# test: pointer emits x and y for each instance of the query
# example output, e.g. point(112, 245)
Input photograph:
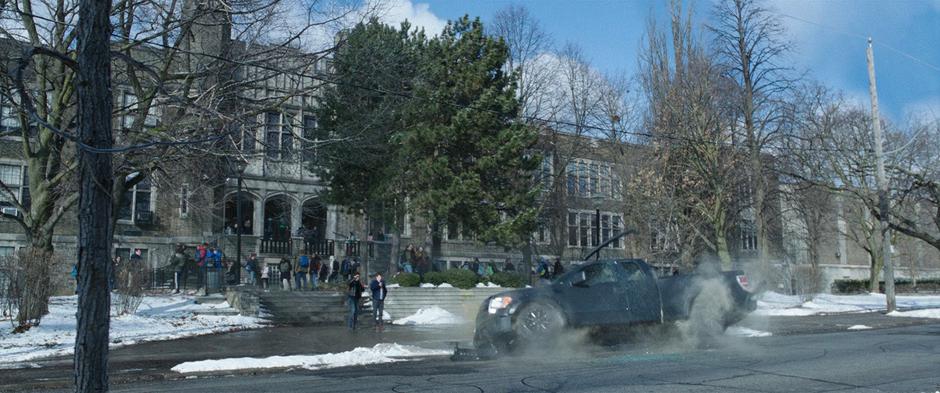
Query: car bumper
point(492, 329)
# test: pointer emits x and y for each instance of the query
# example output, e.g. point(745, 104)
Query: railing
point(352, 248)
point(270, 246)
point(323, 248)
point(193, 277)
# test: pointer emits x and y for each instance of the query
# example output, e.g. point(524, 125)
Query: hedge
point(861, 286)
point(406, 279)
point(508, 280)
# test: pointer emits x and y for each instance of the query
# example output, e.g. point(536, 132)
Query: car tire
point(708, 317)
point(537, 322)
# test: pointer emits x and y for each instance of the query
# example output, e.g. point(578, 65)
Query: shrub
point(508, 280)
point(26, 279)
point(460, 278)
point(406, 279)
point(436, 278)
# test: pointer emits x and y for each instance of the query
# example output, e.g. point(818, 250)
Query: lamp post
point(240, 226)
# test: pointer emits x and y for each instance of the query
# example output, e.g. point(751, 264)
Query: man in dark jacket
point(379, 292)
point(353, 296)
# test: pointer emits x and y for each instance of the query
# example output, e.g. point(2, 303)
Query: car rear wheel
point(538, 321)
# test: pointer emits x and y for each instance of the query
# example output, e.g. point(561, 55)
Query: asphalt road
point(805, 354)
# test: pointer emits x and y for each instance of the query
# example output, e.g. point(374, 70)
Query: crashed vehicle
point(610, 293)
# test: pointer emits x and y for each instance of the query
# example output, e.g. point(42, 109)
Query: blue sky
point(828, 36)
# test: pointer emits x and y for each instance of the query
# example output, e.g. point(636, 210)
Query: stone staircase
point(465, 303)
point(293, 307)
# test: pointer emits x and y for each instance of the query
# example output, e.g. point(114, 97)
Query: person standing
point(285, 268)
point(353, 296)
point(251, 268)
point(178, 262)
point(558, 269)
point(314, 271)
point(300, 272)
point(324, 273)
point(334, 268)
point(265, 276)
point(379, 292)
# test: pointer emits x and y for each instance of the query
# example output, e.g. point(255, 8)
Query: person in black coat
point(379, 292)
point(353, 296)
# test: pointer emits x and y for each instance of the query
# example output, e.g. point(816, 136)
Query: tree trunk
point(94, 206)
point(435, 252)
point(724, 254)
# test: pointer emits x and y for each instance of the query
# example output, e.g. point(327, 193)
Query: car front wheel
point(538, 321)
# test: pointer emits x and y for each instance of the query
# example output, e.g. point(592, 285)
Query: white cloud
point(394, 12)
point(926, 109)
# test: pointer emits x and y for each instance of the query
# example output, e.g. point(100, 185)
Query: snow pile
point(738, 331)
point(393, 286)
point(158, 318)
point(380, 353)
point(859, 327)
point(928, 313)
point(771, 303)
point(488, 285)
point(445, 285)
point(428, 285)
point(433, 315)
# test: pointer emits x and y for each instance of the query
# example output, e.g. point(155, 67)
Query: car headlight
point(498, 303)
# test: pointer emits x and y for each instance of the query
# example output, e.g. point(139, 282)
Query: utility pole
point(881, 182)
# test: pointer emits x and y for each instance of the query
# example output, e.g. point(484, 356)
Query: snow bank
point(158, 318)
point(859, 327)
point(487, 285)
point(380, 353)
point(738, 331)
point(433, 315)
point(393, 286)
point(445, 285)
point(928, 313)
point(772, 303)
point(428, 285)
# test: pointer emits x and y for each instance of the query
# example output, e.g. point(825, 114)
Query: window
point(248, 135)
point(545, 175)
point(16, 179)
point(9, 117)
point(129, 107)
point(136, 205)
point(279, 139)
point(312, 136)
point(184, 200)
point(748, 237)
point(584, 224)
point(592, 178)
point(572, 229)
point(572, 179)
point(541, 233)
point(615, 223)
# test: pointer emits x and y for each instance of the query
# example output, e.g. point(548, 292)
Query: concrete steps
point(314, 307)
point(465, 303)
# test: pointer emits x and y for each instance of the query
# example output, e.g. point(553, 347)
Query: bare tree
point(749, 41)
point(689, 122)
point(529, 46)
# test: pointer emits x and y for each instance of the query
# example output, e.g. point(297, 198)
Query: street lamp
point(240, 223)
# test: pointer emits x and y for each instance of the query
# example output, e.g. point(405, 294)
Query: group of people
point(415, 260)
point(378, 291)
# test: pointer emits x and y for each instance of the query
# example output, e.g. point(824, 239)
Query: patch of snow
point(928, 313)
point(380, 353)
point(775, 304)
point(386, 316)
point(445, 285)
point(428, 285)
point(160, 317)
point(487, 285)
point(393, 286)
point(433, 315)
point(738, 331)
point(859, 327)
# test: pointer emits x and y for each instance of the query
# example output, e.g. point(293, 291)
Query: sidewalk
point(153, 360)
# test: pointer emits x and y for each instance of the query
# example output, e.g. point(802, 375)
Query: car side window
point(631, 271)
point(599, 274)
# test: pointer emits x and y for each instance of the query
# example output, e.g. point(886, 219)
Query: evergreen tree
point(468, 159)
